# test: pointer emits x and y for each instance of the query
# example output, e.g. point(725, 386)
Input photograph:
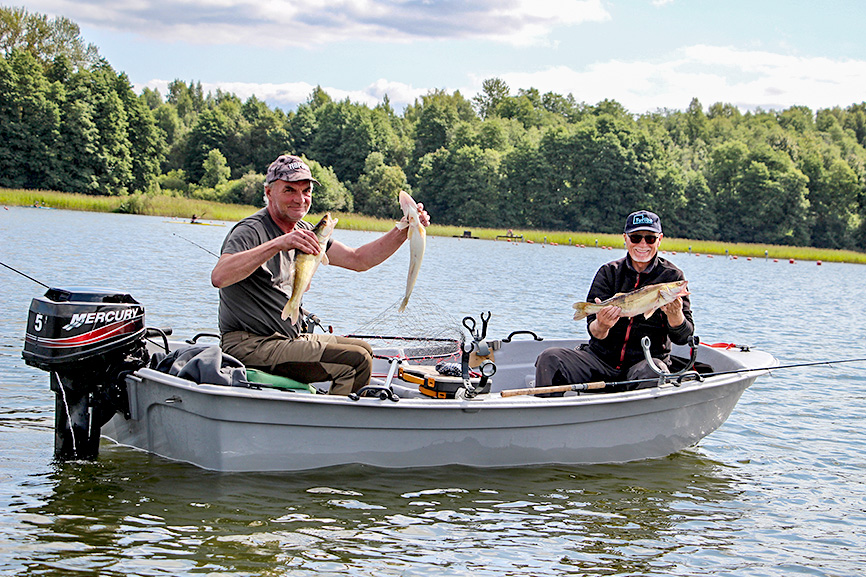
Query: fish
point(305, 266)
point(417, 236)
point(643, 301)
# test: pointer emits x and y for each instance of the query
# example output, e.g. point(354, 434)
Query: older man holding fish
point(266, 263)
point(638, 295)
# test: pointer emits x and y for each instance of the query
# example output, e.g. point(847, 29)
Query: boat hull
point(236, 429)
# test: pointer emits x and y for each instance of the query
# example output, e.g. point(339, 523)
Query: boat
point(198, 222)
point(410, 416)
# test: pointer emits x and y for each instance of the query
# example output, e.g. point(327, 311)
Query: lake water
point(778, 490)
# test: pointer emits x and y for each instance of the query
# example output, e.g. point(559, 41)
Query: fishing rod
point(600, 385)
point(25, 276)
point(196, 244)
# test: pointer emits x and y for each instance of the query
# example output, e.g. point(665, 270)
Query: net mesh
point(422, 333)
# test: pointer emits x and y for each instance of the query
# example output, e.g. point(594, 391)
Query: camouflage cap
point(289, 168)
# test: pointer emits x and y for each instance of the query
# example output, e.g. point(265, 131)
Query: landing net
point(422, 332)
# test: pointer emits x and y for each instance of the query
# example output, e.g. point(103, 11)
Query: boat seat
point(274, 381)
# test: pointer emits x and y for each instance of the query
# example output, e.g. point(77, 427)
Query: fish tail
point(403, 304)
point(581, 311)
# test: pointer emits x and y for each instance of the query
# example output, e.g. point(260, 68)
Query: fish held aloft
point(305, 267)
point(643, 301)
point(417, 236)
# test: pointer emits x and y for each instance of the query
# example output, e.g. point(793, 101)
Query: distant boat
point(196, 222)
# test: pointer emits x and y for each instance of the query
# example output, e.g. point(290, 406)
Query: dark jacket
point(621, 349)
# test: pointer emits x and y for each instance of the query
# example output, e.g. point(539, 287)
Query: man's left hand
point(674, 311)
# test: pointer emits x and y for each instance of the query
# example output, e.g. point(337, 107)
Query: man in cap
point(614, 352)
point(253, 276)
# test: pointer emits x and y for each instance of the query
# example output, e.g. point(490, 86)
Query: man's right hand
point(604, 320)
point(608, 316)
point(300, 239)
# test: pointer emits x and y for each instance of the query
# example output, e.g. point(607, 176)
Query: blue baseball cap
point(643, 220)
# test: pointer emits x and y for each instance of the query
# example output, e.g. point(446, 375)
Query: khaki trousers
point(308, 358)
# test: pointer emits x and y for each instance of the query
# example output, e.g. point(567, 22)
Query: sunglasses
point(649, 238)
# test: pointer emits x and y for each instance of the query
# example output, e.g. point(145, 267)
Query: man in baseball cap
point(614, 352)
point(254, 275)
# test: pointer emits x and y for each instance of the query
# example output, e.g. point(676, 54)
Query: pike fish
point(305, 266)
point(417, 235)
point(643, 301)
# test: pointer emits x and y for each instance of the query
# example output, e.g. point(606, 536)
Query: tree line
point(70, 122)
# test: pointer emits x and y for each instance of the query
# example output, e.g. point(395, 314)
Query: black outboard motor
point(88, 339)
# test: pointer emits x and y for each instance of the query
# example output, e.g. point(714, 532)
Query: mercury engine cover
point(88, 339)
point(67, 326)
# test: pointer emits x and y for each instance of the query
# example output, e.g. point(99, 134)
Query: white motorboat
point(259, 428)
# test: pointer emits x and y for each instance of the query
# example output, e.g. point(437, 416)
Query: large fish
point(644, 301)
point(417, 236)
point(305, 266)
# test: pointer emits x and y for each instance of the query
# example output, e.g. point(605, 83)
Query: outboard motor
point(88, 339)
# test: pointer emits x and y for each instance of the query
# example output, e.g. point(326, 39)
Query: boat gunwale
point(484, 401)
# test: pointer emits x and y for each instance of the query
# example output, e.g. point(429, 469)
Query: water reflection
point(132, 512)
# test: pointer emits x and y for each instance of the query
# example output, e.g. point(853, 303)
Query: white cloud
point(281, 23)
point(288, 95)
point(746, 79)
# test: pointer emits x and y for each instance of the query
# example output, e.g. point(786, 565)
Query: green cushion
point(263, 378)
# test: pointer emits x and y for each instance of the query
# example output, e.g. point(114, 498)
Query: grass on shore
point(181, 207)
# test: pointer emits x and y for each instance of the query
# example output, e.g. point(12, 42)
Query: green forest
point(70, 122)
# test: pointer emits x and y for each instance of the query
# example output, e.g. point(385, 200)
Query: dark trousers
point(561, 366)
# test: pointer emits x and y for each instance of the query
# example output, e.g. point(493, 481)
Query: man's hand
point(300, 239)
point(604, 320)
point(674, 311)
point(423, 217)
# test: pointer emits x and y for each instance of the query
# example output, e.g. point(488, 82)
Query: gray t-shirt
point(255, 303)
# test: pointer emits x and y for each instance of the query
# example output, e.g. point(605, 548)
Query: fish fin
point(325, 259)
point(287, 310)
point(403, 304)
point(291, 276)
point(649, 313)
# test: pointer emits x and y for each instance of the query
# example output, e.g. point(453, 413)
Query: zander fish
point(644, 301)
point(417, 236)
point(305, 267)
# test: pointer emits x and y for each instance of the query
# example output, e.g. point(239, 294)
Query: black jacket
point(621, 348)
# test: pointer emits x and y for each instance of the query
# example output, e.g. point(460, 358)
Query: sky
point(648, 55)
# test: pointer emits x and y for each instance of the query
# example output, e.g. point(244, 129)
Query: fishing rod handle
point(554, 389)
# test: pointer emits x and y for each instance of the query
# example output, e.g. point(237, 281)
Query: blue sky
point(646, 54)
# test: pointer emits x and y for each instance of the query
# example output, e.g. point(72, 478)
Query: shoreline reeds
point(182, 207)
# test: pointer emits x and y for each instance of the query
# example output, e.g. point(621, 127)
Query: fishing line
point(811, 364)
point(693, 376)
point(196, 244)
point(25, 276)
